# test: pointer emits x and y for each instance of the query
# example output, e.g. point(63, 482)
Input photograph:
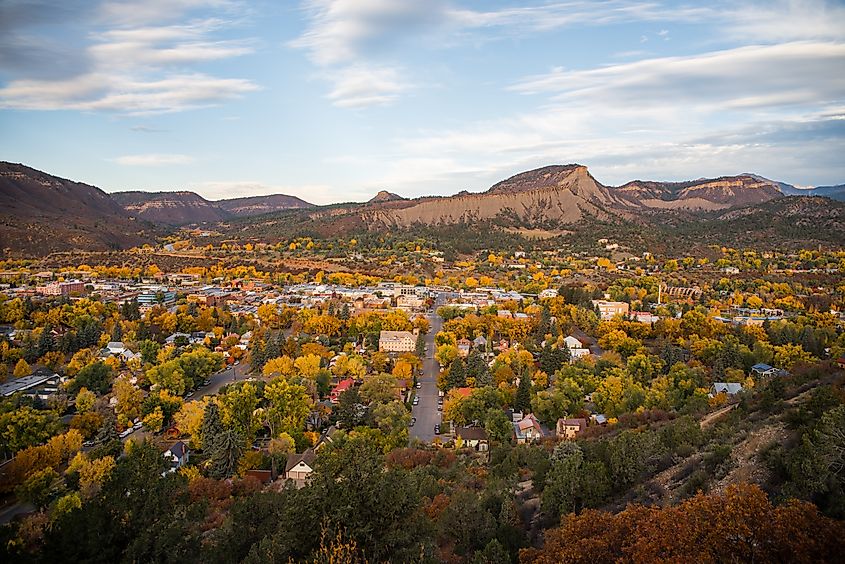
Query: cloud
point(785, 20)
point(154, 159)
point(742, 78)
point(359, 86)
point(133, 66)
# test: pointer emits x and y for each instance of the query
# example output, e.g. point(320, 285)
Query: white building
point(397, 341)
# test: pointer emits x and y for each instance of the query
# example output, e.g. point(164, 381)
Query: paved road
point(227, 376)
point(426, 411)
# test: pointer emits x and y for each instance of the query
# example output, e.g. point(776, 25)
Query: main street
point(426, 411)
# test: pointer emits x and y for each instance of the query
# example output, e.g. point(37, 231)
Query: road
point(426, 411)
point(231, 374)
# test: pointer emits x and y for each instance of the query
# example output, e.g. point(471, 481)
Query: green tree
point(523, 394)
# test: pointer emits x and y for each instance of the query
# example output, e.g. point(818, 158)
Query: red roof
point(465, 392)
point(343, 385)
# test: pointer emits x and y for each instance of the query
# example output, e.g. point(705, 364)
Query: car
point(419, 385)
point(237, 362)
point(88, 444)
point(189, 394)
point(138, 425)
point(126, 433)
point(439, 407)
point(206, 382)
point(413, 420)
point(416, 400)
point(437, 429)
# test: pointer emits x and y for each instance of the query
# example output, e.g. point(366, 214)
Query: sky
point(334, 100)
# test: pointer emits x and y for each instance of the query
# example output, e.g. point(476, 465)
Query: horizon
point(334, 100)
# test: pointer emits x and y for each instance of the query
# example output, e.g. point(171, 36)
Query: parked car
point(416, 400)
point(138, 425)
point(206, 382)
point(437, 429)
point(419, 385)
point(127, 432)
point(413, 420)
point(439, 407)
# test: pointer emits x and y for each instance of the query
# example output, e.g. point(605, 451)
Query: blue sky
point(333, 100)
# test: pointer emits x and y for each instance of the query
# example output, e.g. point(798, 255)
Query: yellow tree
point(22, 369)
point(308, 365)
point(280, 366)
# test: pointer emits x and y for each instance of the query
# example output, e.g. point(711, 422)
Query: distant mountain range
point(41, 213)
point(182, 208)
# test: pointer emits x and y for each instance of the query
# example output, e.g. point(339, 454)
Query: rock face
point(385, 196)
point(704, 194)
point(558, 194)
point(40, 213)
point(171, 208)
point(182, 208)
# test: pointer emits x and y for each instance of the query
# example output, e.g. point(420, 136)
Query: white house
point(577, 349)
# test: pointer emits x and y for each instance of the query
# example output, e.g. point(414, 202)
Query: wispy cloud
point(154, 159)
point(139, 65)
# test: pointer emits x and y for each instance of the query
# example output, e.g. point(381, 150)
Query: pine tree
point(457, 377)
point(212, 426)
point(225, 454)
point(108, 431)
point(523, 394)
point(478, 369)
point(45, 341)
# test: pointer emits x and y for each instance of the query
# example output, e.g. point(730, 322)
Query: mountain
point(40, 213)
point(171, 208)
point(182, 207)
point(701, 194)
point(258, 205)
point(385, 196)
point(836, 192)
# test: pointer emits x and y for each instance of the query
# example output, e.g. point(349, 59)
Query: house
point(763, 370)
point(608, 310)
point(341, 387)
point(548, 293)
point(397, 341)
point(528, 429)
point(480, 342)
point(727, 388)
point(570, 428)
point(577, 348)
point(115, 347)
point(42, 383)
point(599, 419)
point(463, 347)
point(299, 467)
point(181, 337)
point(177, 456)
point(474, 437)
point(643, 317)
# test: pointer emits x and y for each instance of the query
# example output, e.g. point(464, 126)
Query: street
point(231, 374)
point(426, 411)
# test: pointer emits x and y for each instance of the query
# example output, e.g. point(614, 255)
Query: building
point(341, 387)
point(40, 384)
point(727, 388)
point(528, 429)
point(62, 288)
point(609, 310)
point(176, 456)
point(548, 293)
point(473, 437)
point(643, 317)
point(397, 341)
point(464, 345)
point(299, 467)
point(577, 348)
point(570, 428)
point(763, 370)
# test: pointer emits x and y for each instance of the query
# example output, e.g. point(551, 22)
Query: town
point(250, 378)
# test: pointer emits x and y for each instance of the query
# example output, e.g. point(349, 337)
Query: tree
point(227, 450)
point(95, 377)
point(237, 408)
point(22, 369)
point(380, 388)
point(289, 405)
point(212, 426)
point(189, 420)
point(349, 409)
point(85, 400)
point(457, 377)
point(279, 366)
point(499, 427)
point(523, 394)
point(308, 365)
point(25, 427)
point(392, 418)
point(41, 488)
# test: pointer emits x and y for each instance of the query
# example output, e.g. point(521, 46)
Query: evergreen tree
point(225, 453)
point(108, 431)
point(478, 369)
point(344, 312)
point(552, 359)
point(257, 356)
point(45, 341)
point(348, 409)
point(212, 426)
point(457, 377)
point(420, 345)
point(523, 394)
point(117, 332)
